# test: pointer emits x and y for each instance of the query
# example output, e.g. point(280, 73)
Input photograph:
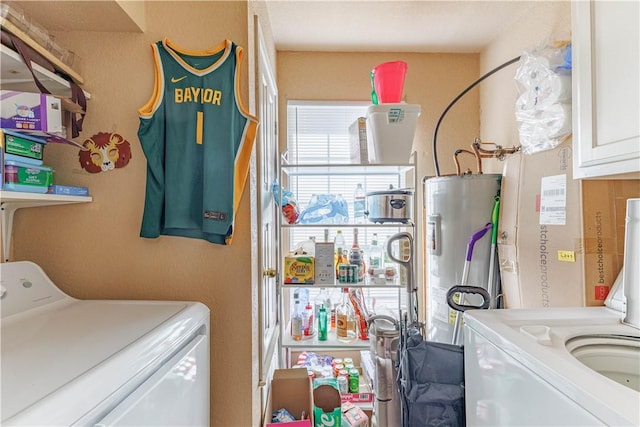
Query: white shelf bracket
point(8, 210)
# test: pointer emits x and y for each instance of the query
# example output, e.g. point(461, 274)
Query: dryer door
point(176, 394)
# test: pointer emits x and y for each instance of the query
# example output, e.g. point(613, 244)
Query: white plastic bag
point(543, 106)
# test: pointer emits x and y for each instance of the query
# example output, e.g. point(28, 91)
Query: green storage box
point(23, 146)
point(25, 177)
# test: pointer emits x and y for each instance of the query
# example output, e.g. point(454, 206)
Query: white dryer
point(68, 362)
point(559, 367)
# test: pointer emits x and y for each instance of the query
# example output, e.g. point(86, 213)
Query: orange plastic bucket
point(388, 81)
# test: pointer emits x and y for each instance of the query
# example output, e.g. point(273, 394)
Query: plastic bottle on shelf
point(345, 320)
point(335, 297)
point(376, 258)
point(300, 297)
point(297, 323)
point(322, 323)
point(359, 204)
point(308, 247)
point(322, 299)
point(356, 256)
point(339, 247)
point(308, 327)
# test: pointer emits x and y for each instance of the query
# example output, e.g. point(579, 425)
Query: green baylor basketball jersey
point(197, 137)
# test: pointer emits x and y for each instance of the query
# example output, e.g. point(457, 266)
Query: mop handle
point(494, 220)
point(491, 281)
point(475, 237)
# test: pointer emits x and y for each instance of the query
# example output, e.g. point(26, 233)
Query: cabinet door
point(606, 88)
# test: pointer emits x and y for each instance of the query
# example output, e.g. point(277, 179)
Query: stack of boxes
point(27, 118)
point(21, 165)
point(560, 240)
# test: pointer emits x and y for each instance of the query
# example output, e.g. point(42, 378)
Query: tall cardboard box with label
point(603, 221)
point(539, 231)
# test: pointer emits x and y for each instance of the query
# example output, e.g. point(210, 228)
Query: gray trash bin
point(384, 337)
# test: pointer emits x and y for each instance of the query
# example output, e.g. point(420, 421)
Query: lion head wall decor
point(104, 152)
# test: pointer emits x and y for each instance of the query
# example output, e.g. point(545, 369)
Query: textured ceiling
point(401, 26)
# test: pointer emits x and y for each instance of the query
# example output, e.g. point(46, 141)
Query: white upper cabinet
point(606, 88)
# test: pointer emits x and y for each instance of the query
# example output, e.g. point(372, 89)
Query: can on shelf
point(343, 273)
point(352, 273)
point(343, 385)
point(354, 381)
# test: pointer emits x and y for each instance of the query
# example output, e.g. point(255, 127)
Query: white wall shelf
point(16, 76)
point(11, 201)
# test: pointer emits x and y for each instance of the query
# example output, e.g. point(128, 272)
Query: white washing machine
point(68, 362)
point(560, 367)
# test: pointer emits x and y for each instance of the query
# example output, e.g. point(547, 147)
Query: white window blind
point(318, 133)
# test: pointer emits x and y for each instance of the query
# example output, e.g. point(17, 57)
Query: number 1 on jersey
point(199, 125)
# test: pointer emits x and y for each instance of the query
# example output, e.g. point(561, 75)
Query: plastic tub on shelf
point(392, 128)
point(26, 177)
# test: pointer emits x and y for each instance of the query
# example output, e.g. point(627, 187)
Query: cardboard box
point(325, 272)
point(23, 146)
point(299, 270)
point(327, 407)
point(353, 416)
point(68, 190)
point(290, 389)
point(359, 152)
point(30, 111)
point(539, 232)
point(603, 221)
point(361, 360)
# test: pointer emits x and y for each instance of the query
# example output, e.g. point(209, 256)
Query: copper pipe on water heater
point(481, 153)
point(497, 153)
point(467, 172)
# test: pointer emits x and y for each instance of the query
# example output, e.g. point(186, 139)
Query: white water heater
point(456, 207)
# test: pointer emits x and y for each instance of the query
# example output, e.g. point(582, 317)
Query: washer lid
point(631, 276)
point(85, 352)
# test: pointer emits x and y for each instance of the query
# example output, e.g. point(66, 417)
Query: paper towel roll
point(545, 128)
point(539, 86)
point(557, 119)
point(553, 89)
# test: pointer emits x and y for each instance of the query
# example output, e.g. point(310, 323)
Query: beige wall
point(543, 21)
point(93, 250)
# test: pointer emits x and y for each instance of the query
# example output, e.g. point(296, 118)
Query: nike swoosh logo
point(176, 80)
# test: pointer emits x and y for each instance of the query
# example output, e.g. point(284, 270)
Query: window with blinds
point(318, 133)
